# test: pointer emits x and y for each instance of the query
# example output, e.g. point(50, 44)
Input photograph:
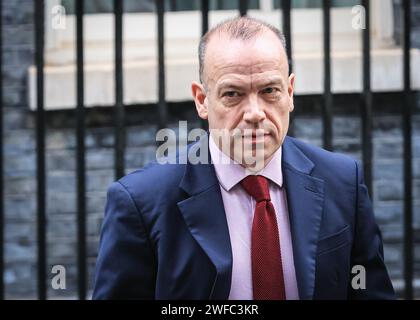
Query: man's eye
point(269, 90)
point(231, 94)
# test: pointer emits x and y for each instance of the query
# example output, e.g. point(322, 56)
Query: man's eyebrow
point(237, 84)
point(270, 81)
point(230, 84)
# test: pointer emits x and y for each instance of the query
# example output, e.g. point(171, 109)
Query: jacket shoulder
point(329, 165)
point(153, 181)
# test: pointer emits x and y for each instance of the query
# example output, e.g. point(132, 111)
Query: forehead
point(238, 59)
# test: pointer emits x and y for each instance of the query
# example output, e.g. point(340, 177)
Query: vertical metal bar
point(40, 148)
point(367, 102)
point(204, 16)
point(204, 28)
point(287, 30)
point(80, 162)
point(1, 162)
point(161, 65)
point(173, 5)
point(119, 105)
point(407, 115)
point(327, 106)
point(243, 7)
point(219, 5)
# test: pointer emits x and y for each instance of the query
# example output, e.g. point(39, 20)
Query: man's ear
point(199, 96)
point(291, 90)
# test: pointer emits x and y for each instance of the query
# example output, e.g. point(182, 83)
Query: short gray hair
point(243, 28)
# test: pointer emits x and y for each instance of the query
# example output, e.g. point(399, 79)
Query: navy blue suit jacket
point(165, 234)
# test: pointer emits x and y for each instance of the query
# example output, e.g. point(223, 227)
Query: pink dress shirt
point(239, 208)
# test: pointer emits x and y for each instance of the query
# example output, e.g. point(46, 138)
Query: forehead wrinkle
point(256, 80)
point(238, 71)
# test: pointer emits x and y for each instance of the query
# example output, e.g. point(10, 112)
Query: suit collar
point(201, 176)
point(295, 158)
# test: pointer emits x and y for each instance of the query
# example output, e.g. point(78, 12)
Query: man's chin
point(254, 161)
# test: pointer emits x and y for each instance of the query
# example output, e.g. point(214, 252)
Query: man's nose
point(254, 112)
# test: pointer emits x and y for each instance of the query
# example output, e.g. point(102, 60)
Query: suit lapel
point(305, 199)
point(205, 218)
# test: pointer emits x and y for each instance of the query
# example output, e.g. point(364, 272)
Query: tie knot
point(256, 187)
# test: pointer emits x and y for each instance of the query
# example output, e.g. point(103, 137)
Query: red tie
point(267, 270)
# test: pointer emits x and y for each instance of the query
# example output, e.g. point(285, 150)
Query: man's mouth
point(254, 138)
point(256, 135)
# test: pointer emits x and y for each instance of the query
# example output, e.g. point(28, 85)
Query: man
point(291, 224)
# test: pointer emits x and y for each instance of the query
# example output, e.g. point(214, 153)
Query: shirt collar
point(230, 173)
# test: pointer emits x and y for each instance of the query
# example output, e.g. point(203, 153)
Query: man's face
point(247, 87)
